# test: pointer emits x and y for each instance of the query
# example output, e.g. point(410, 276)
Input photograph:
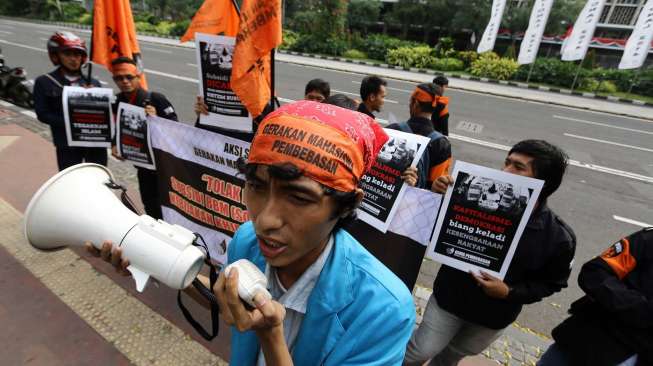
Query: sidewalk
point(121, 327)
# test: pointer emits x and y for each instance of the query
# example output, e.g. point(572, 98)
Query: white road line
point(190, 80)
point(191, 65)
point(576, 163)
point(285, 100)
point(22, 45)
point(630, 221)
point(5, 104)
point(608, 142)
point(156, 50)
point(43, 39)
point(29, 113)
point(358, 95)
point(603, 124)
point(44, 32)
point(387, 87)
point(6, 32)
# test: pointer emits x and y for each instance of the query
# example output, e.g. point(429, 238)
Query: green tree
point(515, 18)
point(362, 13)
point(563, 15)
point(471, 16)
point(406, 13)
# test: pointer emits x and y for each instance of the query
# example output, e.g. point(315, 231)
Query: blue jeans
point(555, 356)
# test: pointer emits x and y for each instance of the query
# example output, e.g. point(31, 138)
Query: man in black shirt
point(467, 312)
point(127, 78)
point(317, 90)
point(373, 94)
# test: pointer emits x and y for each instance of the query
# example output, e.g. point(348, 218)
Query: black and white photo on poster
point(88, 116)
point(199, 184)
point(383, 185)
point(214, 63)
point(482, 218)
point(132, 137)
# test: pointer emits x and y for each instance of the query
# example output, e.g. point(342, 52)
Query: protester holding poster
point(435, 162)
point(87, 115)
point(215, 61)
point(467, 312)
point(127, 77)
point(67, 52)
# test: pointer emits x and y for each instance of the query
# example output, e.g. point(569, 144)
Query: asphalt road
point(611, 196)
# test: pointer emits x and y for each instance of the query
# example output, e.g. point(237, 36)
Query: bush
point(510, 53)
point(356, 54)
point(552, 71)
point(489, 65)
point(86, 19)
point(72, 11)
point(444, 48)
point(448, 64)
point(621, 78)
point(316, 44)
point(467, 57)
point(146, 17)
point(377, 45)
point(164, 28)
point(419, 57)
point(179, 28)
point(289, 39)
point(145, 27)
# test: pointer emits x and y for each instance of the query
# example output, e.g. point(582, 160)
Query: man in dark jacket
point(68, 53)
point(127, 78)
point(373, 94)
point(440, 116)
point(466, 312)
point(613, 323)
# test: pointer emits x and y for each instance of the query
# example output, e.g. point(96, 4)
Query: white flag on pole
point(579, 40)
point(640, 40)
point(530, 44)
point(490, 34)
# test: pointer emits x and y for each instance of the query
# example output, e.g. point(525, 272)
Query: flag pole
point(530, 71)
point(573, 84)
point(236, 7)
point(272, 78)
point(90, 56)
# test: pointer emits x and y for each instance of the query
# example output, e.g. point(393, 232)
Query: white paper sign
point(133, 137)
point(482, 218)
point(87, 116)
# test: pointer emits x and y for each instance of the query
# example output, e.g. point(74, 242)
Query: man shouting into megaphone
point(332, 302)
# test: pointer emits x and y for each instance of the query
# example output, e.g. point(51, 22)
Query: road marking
point(5, 104)
point(29, 113)
point(631, 221)
point(6, 32)
point(22, 45)
point(358, 95)
point(190, 80)
point(608, 142)
point(191, 65)
point(156, 50)
point(469, 127)
point(576, 163)
point(387, 87)
point(603, 124)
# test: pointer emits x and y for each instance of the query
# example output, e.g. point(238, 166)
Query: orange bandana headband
point(331, 145)
point(423, 96)
point(125, 67)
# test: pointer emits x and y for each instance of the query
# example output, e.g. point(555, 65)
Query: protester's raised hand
point(441, 184)
point(201, 107)
point(491, 285)
point(267, 315)
point(410, 176)
point(150, 110)
point(110, 254)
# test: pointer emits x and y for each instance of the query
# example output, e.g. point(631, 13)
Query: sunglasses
point(124, 77)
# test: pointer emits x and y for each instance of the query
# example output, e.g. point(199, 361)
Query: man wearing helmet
point(68, 53)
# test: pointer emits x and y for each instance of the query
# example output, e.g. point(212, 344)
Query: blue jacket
point(359, 312)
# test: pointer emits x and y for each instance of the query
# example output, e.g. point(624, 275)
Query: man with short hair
point(467, 312)
point(68, 53)
point(437, 158)
point(440, 116)
point(613, 323)
point(127, 77)
point(317, 90)
point(373, 92)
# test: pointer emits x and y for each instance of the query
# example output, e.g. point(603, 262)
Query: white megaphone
point(76, 206)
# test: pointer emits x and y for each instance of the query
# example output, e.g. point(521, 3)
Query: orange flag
point(114, 34)
point(258, 34)
point(214, 17)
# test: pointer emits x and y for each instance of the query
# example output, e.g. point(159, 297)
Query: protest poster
point(482, 218)
point(198, 183)
point(87, 116)
point(401, 248)
point(383, 185)
point(132, 138)
point(214, 64)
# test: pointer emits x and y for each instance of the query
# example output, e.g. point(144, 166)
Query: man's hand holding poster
point(383, 185)
point(198, 181)
point(87, 116)
point(482, 218)
point(132, 137)
point(214, 63)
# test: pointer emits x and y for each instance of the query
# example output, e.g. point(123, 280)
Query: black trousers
point(148, 185)
point(68, 156)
